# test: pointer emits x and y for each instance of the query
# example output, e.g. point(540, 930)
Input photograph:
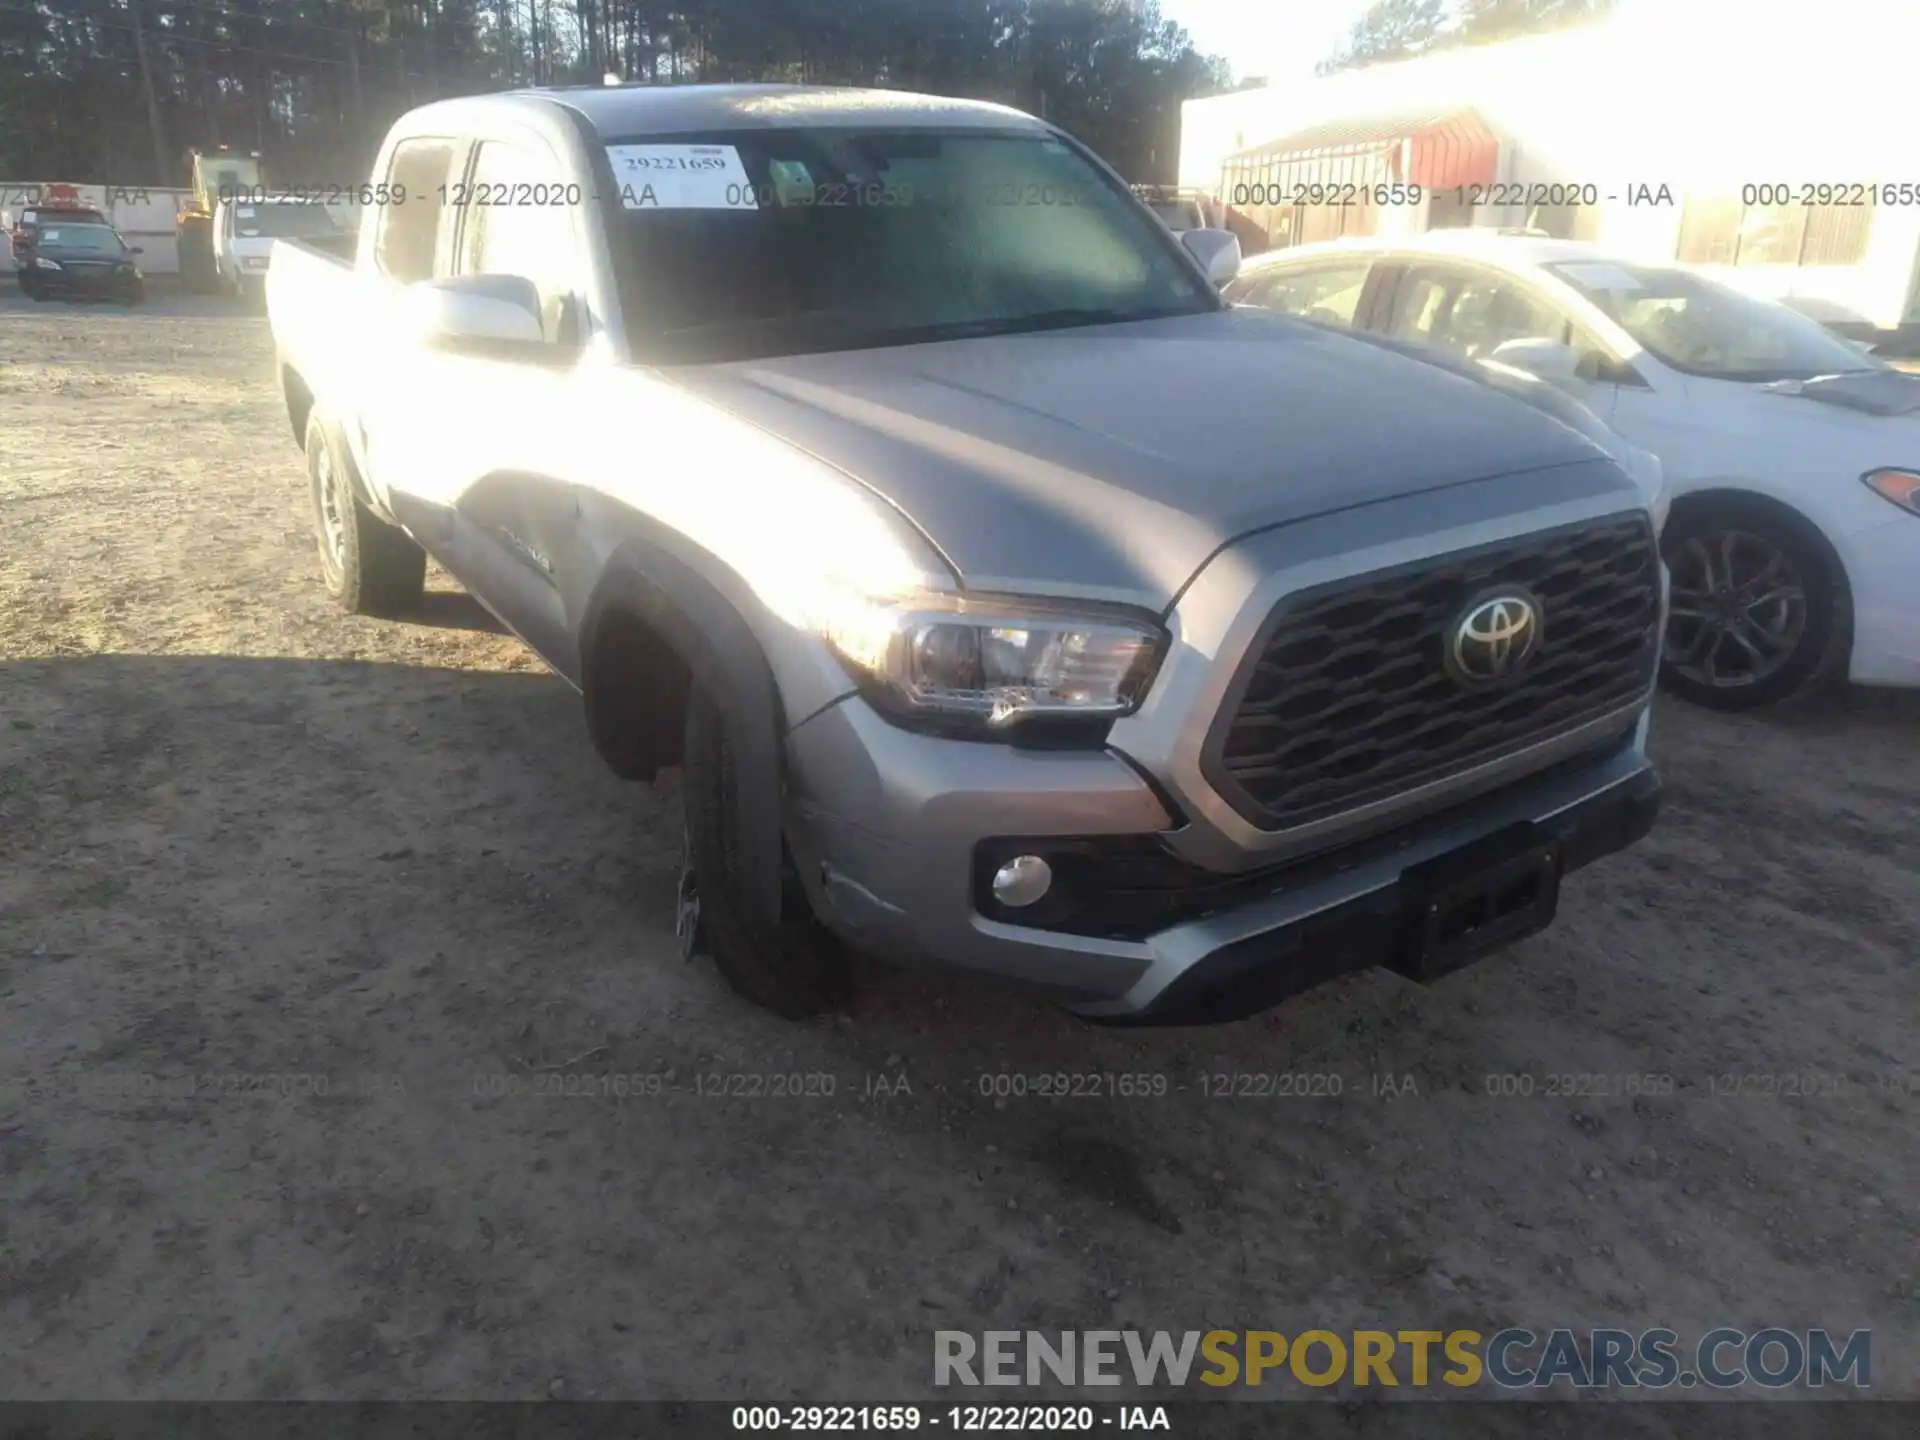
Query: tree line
point(115, 91)
point(1402, 29)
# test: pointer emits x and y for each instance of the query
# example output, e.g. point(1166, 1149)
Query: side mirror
point(1218, 252)
point(1546, 360)
point(475, 312)
point(136, 249)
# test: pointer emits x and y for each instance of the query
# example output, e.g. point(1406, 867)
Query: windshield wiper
point(762, 337)
point(1061, 319)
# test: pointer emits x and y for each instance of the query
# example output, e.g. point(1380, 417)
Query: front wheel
point(796, 968)
point(371, 567)
point(1753, 610)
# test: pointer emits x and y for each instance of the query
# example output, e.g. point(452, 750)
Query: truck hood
point(1111, 461)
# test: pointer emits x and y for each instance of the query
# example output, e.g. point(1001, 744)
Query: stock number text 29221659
point(791, 1419)
point(1386, 193)
point(1888, 193)
point(367, 194)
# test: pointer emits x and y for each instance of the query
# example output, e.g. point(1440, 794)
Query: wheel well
point(299, 401)
point(1709, 502)
point(636, 692)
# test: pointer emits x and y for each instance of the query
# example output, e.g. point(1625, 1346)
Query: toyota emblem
point(1494, 636)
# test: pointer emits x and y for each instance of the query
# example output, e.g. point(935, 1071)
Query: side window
point(1329, 294)
point(1488, 311)
point(1420, 306)
point(1474, 314)
point(504, 235)
point(403, 246)
point(1252, 289)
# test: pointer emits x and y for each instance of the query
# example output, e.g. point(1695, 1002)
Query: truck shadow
point(420, 886)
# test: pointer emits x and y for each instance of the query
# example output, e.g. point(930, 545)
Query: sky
point(1283, 40)
point(1280, 39)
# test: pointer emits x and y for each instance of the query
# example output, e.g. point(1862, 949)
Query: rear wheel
point(1754, 605)
point(796, 968)
point(371, 567)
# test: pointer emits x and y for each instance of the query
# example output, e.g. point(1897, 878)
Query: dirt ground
point(251, 850)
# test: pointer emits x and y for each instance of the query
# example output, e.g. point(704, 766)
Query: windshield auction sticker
point(681, 177)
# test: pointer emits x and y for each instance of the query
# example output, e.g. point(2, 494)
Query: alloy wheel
point(333, 517)
point(1738, 609)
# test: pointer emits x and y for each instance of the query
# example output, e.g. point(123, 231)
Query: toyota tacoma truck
point(1007, 599)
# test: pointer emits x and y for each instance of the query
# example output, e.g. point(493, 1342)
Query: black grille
point(1346, 700)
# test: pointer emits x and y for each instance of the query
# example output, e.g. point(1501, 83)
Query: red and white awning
point(1438, 150)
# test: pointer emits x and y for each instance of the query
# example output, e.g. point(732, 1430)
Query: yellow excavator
point(217, 174)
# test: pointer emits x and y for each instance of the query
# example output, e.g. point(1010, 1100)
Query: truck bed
point(324, 329)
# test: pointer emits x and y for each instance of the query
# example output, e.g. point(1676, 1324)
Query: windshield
point(282, 221)
point(777, 242)
point(1704, 328)
point(81, 237)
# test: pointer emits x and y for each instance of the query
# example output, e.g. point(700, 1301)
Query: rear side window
point(403, 245)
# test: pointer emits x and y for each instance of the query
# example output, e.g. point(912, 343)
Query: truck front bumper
point(893, 831)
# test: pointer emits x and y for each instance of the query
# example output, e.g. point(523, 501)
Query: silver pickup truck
point(1008, 600)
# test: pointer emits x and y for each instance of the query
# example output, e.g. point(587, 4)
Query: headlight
point(41, 262)
point(1902, 487)
point(987, 666)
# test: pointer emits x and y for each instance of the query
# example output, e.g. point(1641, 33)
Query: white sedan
point(1793, 458)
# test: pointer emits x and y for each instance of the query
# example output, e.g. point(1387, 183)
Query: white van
point(244, 231)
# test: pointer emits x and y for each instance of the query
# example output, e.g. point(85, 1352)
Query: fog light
point(1022, 881)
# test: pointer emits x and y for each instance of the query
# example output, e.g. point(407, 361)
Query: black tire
point(799, 968)
point(1758, 605)
point(370, 567)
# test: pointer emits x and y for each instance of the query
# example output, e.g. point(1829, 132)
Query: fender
point(719, 649)
point(342, 450)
